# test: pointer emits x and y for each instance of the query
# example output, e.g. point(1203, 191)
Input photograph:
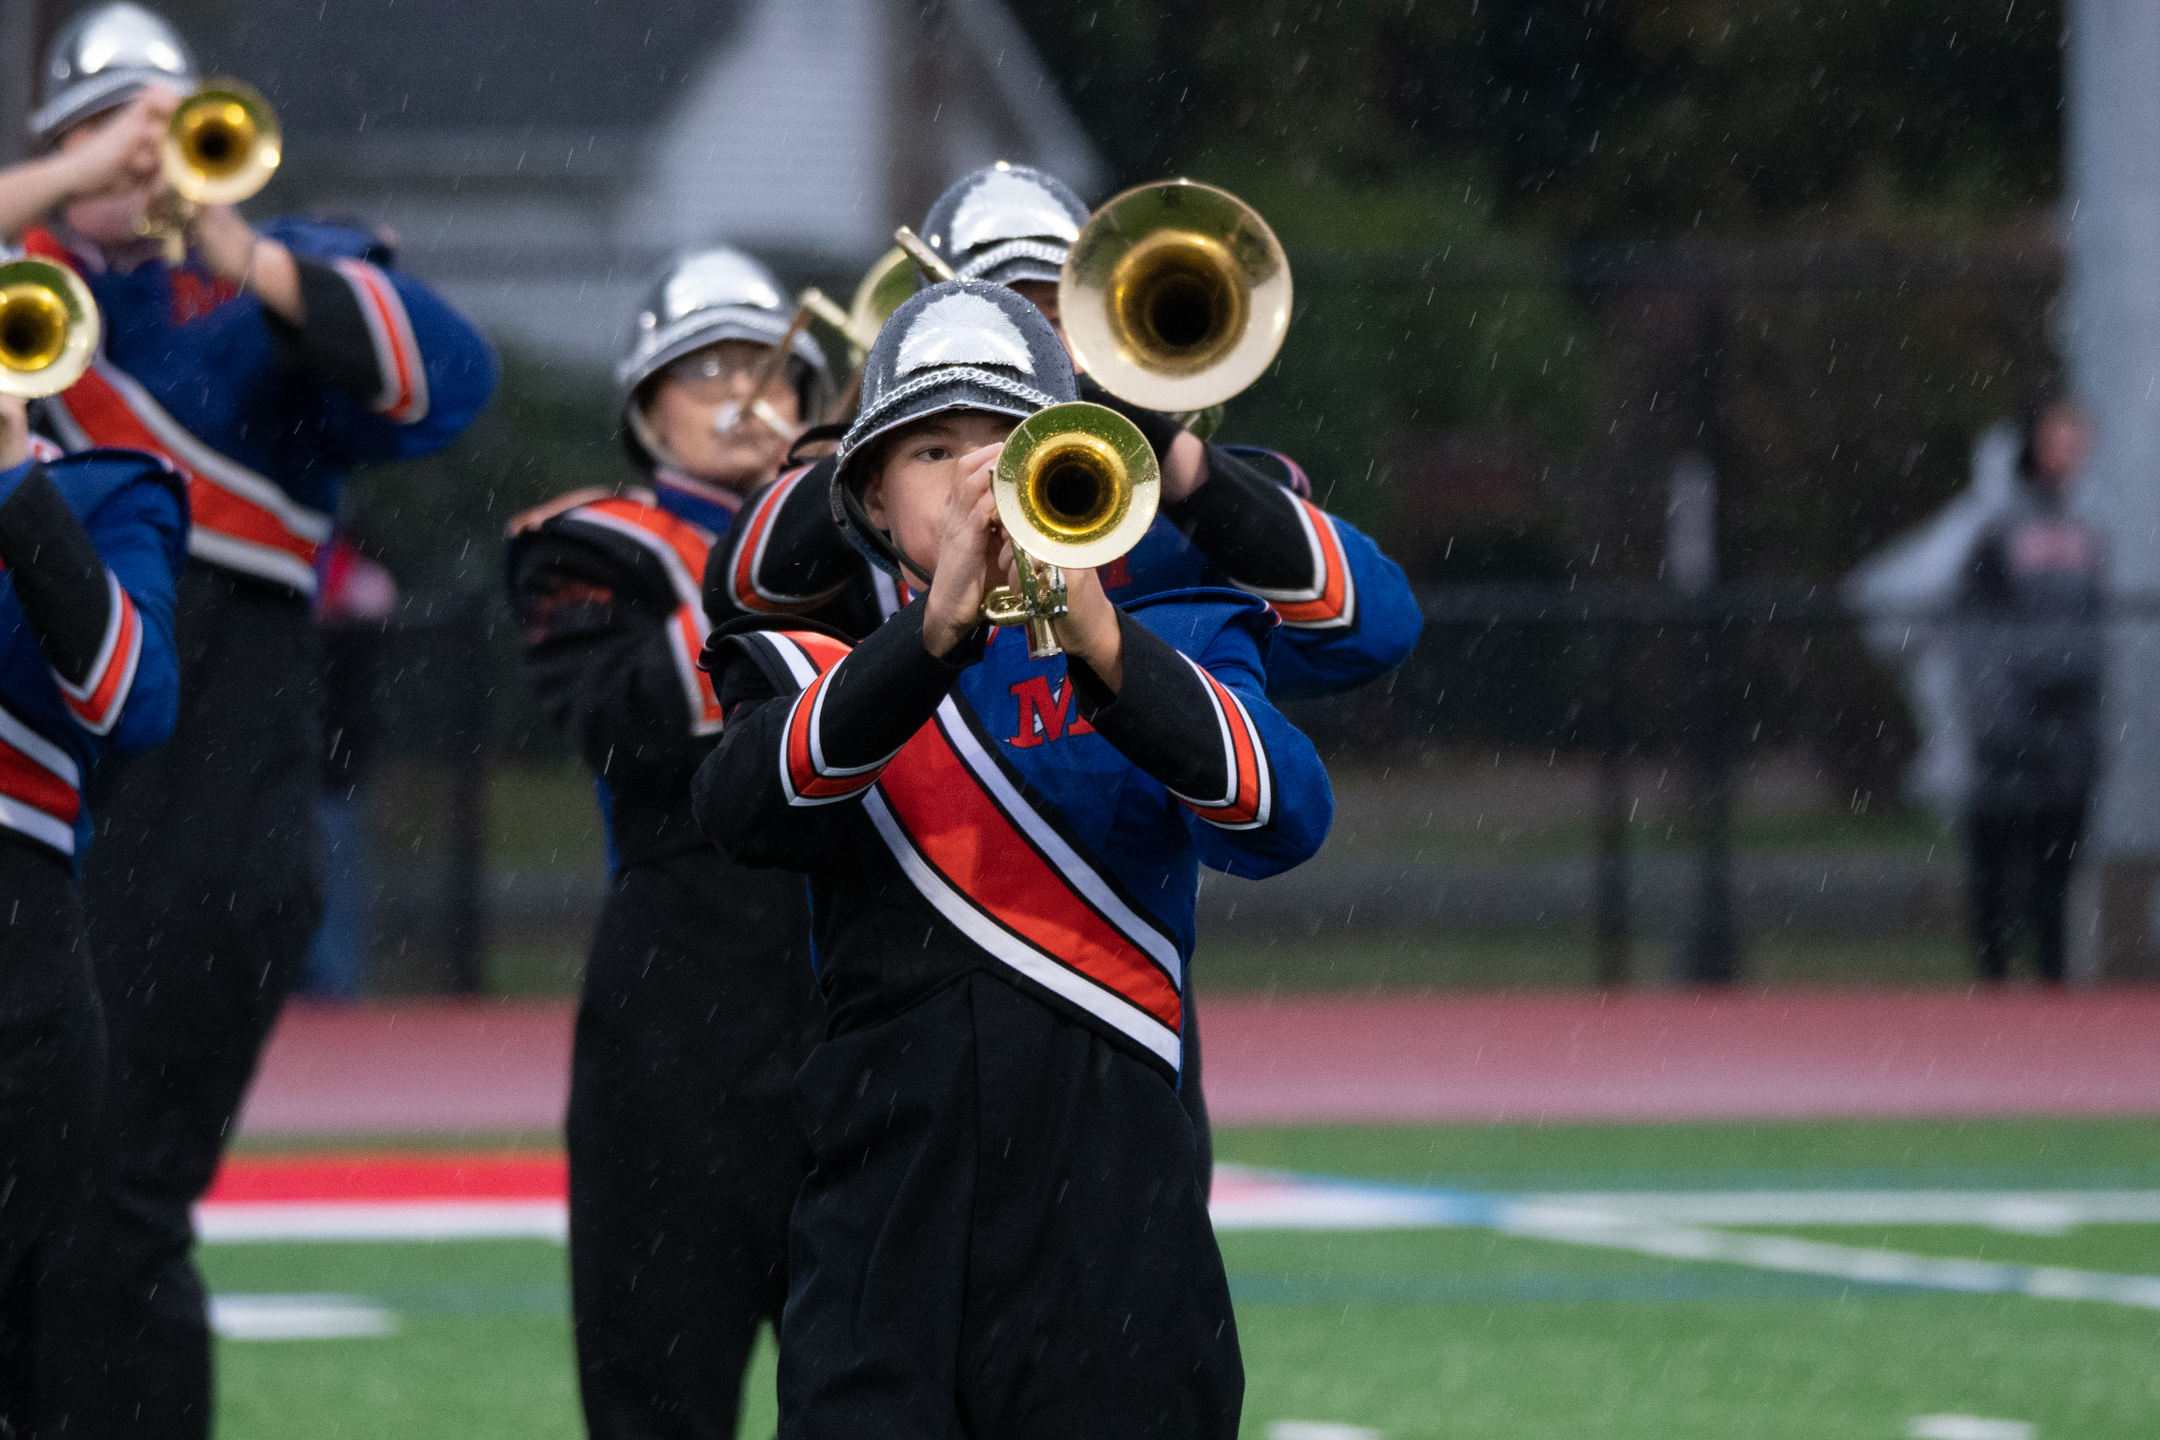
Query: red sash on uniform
point(995, 867)
point(988, 861)
point(681, 548)
point(241, 520)
point(40, 786)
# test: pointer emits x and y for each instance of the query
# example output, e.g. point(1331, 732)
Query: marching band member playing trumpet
point(1348, 615)
point(1003, 1233)
point(90, 547)
point(263, 365)
point(698, 1000)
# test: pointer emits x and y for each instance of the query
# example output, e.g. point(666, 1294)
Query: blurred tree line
point(1503, 420)
point(1592, 118)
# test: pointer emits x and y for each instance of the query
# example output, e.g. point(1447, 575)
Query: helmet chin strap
point(876, 545)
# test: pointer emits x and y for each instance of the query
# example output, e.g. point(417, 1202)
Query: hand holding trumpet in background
point(169, 167)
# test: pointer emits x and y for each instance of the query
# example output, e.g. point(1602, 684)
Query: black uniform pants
point(52, 1073)
point(685, 1155)
point(1191, 1096)
point(2019, 870)
point(203, 890)
point(1002, 1237)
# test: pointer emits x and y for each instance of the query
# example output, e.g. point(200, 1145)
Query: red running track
point(486, 1066)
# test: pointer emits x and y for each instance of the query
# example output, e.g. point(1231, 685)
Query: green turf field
point(1455, 1333)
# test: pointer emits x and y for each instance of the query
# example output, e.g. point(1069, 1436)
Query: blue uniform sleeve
point(1193, 713)
point(1343, 652)
point(141, 533)
point(434, 370)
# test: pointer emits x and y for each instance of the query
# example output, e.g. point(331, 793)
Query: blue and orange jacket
point(993, 811)
point(1348, 615)
point(263, 419)
point(606, 590)
point(91, 546)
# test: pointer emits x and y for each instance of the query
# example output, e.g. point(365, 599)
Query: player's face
point(909, 495)
point(109, 219)
point(1043, 295)
point(686, 411)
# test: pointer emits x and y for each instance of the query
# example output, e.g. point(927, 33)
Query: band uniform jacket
point(1010, 814)
point(90, 545)
point(607, 590)
point(261, 418)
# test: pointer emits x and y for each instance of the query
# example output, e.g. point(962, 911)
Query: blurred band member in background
point(90, 547)
point(354, 598)
point(698, 1001)
point(1346, 610)
point(2032, 651)
point(263, 367)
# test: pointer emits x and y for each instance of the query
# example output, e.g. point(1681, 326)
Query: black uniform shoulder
point(591, 536)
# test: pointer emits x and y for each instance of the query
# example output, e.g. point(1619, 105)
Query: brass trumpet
point(48, 328)
point(881, 291)
point(1175, 296)
point(220, 147)
point(1076, 487)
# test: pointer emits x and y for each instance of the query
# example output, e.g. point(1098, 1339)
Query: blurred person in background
point(90, 547)
point(263, 366)
point(354, 596)
point(2030, 648)
point(698, 1002)
point(1231, 515)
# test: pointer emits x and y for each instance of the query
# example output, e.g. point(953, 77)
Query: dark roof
point(412, 65)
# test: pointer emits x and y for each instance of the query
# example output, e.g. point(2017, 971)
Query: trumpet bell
point(48, 328)
point(222, 145)
point(884, 288)
point(1076, 486)
point(1176, 296)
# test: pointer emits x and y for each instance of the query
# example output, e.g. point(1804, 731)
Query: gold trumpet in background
point(1076, 487)
point(1175, 296)
point(48, 328)
point(221, 146)
point(881, 291)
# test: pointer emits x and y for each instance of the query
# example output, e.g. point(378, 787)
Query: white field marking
point(1336, 1207)
point(2030, 1212)
point(1573, 1225)
point(223, 1223)
point(1967, 1427)
point(1319, 1430)
point(299, 1317)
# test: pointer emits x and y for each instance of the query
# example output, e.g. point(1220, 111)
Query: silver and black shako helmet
point(701, 299)
point(959, 345)
point(101, 59)
point(1005, 223)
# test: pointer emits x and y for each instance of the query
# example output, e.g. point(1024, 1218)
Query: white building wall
point(780, 141)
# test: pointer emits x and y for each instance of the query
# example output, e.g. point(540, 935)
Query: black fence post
point(465, 881)
point(1713, 950)
point(1613, 961)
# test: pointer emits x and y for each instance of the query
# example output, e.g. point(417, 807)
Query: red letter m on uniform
point(1044, 716)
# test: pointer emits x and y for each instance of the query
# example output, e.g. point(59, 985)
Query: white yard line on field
point(1575, 1225)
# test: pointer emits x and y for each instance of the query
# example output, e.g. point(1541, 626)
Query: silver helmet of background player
point(1005, 223)
point(102, 59)
point(959, 345)
point(701, 299)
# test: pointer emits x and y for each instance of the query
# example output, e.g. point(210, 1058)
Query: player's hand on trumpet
point(973, 555)
point(14, 431)
point(119, 153)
